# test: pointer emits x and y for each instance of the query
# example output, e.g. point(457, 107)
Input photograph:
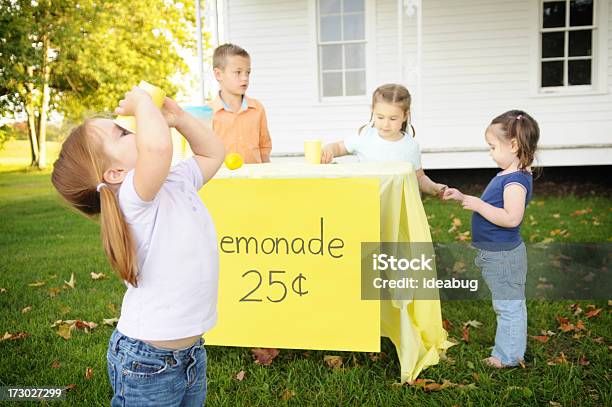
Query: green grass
point(42, 240)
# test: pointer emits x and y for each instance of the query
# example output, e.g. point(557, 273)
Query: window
point(341, 48)
point(567, 39)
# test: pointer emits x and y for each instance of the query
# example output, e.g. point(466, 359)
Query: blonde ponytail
point(76, 175)
point(116, 237)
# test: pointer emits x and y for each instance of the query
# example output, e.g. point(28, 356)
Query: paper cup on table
point(312, 151)
point(158, 95)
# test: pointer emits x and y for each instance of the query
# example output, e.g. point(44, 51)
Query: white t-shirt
point(178, 260)
point(371, 147)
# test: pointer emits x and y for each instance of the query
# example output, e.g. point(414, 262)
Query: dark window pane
point(552, 73)
point(355, 83)
point(330, 29)
point(331, 57)
point(329, 6)
point(332, 84)
point(554, 14)
point(581, 12)
point(580, 43)
point(552, 44)
point(579, 72)
point(354, 56)
point(353, 5)
point(354, 27)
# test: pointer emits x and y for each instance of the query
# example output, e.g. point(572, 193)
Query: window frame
point(369, 41)
point(598, 58)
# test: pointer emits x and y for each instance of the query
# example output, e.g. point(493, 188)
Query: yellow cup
point(312, 151)
point(158, 95)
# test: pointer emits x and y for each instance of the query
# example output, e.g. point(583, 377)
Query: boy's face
point(234, 78)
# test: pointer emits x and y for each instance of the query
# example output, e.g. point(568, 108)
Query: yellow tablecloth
point(415, 328)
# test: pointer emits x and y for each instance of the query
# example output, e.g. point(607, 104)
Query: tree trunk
point(30, 110)
point(44, 106)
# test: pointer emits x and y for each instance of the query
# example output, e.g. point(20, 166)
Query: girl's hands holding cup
point(172, 112)
point(132, 101)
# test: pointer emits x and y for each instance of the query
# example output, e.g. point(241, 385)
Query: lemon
point(233, 161)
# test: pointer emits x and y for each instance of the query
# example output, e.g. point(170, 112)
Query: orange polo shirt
point(244, 132)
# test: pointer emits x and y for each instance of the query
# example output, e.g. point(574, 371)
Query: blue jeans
point(143, 375)
point(505, 273)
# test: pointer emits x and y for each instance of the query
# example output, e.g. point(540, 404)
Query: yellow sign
point(290, 262)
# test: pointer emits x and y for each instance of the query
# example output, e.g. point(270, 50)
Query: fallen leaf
point(2, 290)
point(36, 284)
point(287, 394)
point(53, 291)
point(85, 326)
point(70, 387)
point(561, 359)
point(429, 385)
point(13, 337)
point(334, 362)
point(583, 361)
point(374, 357)
point(473, 324)
point(540, 338)
point(56, 364)
point(579, 326)
point(555, 404)
point(447, 324)
point(556, 215)
point(599, 340)
point(576, 309)
point(465, 335)
point(97, 276)
point(110, 321)
point(26, 310)
point(88, 373)
point(522, 364)
point(593, 313)
point(456, 222)
point(65, 330)
point(463, 236)
point(72, 281)
point(581, 212)
point(240, 375)
point(264, 356)
point(459, 266)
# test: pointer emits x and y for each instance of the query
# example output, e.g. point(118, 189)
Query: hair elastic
point(519, 117)
point(100, 186)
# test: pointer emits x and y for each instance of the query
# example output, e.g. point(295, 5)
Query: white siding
point(478, 58)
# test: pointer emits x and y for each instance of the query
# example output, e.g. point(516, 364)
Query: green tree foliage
point(80, 57)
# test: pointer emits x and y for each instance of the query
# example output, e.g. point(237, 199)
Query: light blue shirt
point(243, 106)
point(371, 147)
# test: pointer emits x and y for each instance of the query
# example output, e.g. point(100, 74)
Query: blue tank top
point(488, 236)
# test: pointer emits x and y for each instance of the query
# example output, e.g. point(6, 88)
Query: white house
point(316, 63)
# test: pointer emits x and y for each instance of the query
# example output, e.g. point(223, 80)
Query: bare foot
point(493, 362)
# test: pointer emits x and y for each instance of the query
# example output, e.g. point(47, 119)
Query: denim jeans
point(143, 375)
point(505, 273)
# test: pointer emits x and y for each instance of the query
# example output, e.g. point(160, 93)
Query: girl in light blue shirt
point(385, 138)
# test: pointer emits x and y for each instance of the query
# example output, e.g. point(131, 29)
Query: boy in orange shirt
point(239, 121)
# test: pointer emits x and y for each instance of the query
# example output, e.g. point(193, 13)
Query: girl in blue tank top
point(497, 216)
